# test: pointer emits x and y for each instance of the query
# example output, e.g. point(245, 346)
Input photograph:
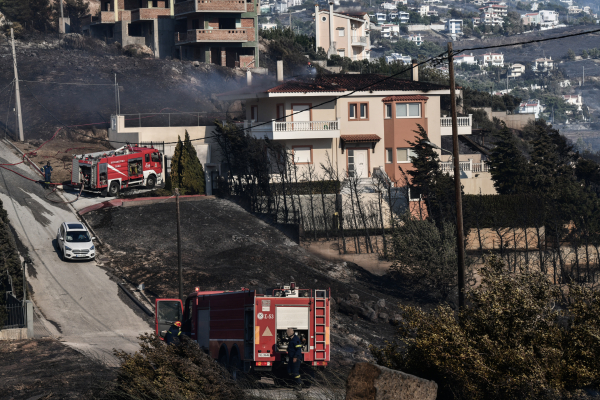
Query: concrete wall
point(13, 334)
point(481, 182)
point(513, 121)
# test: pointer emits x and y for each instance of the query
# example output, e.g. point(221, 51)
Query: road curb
point(141, 202)
point(135, 300)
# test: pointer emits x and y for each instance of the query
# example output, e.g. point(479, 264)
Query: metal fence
point(12, 317)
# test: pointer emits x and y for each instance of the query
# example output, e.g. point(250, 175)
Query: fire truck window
point(147, 157)
point(156, 157)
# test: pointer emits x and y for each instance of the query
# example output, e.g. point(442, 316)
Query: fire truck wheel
point(151, 181)
point(113, 191)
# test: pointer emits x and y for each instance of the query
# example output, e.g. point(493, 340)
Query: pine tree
point(176, 165)
point(507, 164)
point(192, 177)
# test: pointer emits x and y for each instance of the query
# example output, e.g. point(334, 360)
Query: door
point(301, 117)
point(167, 312)
point(357, 163)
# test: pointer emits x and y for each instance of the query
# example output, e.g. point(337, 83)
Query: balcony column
point(223, 57)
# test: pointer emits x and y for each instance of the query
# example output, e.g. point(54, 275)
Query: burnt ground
point(47, 369)
point(146, 85)
point(226, 248)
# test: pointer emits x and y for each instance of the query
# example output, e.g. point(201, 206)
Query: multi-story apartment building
point(492, 59)
point(223, 32)
point(454, 26)
point(148, 23)
point(358, 122)
point(344, 34)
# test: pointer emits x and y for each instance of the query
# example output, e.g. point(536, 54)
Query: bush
point(517, 339)
point(159, 371)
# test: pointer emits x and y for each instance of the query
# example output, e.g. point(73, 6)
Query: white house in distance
point(516, 70)
point(531, 106)
point(531, 19)
point(574, 99)
point(454, 26)
point(343, 34)
point(266, 26)
point(492, 59)
point(416, 38)
point(465, 59)
point(381, 18)
point(389, 31)
point(548, 18)
point(395, 57)
point(544, 64)
point(388, 6)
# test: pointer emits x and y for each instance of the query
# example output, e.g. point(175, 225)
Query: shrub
point(517, 339)
point(159, 371)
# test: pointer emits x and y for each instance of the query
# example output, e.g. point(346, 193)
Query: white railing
point(306, 126)
point(465, 166)
point(446, 122)
point(360, 40)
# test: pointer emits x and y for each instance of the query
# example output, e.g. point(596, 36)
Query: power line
point(70, 83)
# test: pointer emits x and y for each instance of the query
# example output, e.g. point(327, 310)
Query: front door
point(357, 163)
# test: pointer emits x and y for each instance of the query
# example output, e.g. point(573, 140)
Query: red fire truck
point(246, 329)
point(108, 172)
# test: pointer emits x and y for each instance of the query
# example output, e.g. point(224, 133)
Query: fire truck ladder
point(320, 325)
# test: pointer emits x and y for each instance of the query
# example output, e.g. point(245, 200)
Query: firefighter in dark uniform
point(295, 357)
point(172, 336)
point(47, 174)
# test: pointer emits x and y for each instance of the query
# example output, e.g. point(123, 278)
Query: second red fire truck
point(246, 329)
point(109, 172)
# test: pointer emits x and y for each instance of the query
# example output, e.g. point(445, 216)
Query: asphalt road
point(82, 306)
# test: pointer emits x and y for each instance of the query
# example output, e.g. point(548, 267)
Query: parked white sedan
point(75, 242)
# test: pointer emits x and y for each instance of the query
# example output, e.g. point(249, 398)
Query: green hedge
point(493, 211)
point(317, 187)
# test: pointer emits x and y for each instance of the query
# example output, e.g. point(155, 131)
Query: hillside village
point(333, 156)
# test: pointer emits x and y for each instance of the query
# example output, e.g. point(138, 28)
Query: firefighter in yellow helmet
point(172, 336)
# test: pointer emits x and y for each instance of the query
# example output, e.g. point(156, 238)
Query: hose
point(63, 202)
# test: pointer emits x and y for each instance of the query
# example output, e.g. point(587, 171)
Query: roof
point(360, 16)
point(352, 82)
point(360, 138)
point(466, 145)
point(405, 98)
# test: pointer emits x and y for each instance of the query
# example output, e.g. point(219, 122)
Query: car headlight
point(67, 248)
point(92, 248)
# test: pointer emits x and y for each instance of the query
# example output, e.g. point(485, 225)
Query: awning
point(372, 139)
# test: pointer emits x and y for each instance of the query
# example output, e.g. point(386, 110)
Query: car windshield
point(78, 236)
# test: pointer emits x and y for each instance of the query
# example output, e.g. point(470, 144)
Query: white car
point(75, 242)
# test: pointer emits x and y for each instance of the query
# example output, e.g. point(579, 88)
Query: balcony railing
point(464, 125)
point(468, 167)
point(276, 130)
point(359, 40)
point(222, 5)
point(212, 35)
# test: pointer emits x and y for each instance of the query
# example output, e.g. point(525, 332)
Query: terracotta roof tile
point(352, 82)
point(405, 98)
point(360, 138)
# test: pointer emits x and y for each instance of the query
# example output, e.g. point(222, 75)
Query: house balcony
point(211, 35)
point(275, 130)
point(207, 6)
point(147, 14)
point(467, 168)
point(104, 17)
point(359, 41)
point(464, 125)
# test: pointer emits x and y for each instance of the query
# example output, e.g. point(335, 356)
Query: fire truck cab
point(109, 172)
point(246, 329)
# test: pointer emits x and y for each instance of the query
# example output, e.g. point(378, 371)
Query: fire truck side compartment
point(75, 175)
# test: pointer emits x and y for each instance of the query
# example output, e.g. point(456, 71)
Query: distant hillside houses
point(574, 99)
point(543, 64)
point(416, 39)
point(491, 59)
point(396, 58)
point(531, 106)
point(468, 59)
point(516, 70)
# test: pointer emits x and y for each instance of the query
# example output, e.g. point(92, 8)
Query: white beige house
point(574, 99)
point(492, 59)
point(343, 34)
point(516, 70)
point(544, 64)
point(363, 132)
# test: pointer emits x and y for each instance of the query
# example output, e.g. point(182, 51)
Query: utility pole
point(17, 91)
point(116, 96)
point(179, 245)
point(583, 78)
point(460, 243)
point(61, 22)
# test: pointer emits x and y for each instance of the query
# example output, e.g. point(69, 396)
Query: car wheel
point(113, 191)
point(151, 181)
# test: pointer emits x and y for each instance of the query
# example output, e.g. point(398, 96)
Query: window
point(358, 111)
point(408, 110)
point(156, 157)
point(280, 113)
point(414, 194)
point(388, 156)
point(403, 154)
point(388, 111)
point(342, 53)
point(341, 32)
point(352, 112)
point(323, 19)
point(254, 113)
point(302, 155)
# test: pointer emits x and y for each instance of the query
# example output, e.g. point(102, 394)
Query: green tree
point(584, 54)
point(177, 165)
point(27, 12)
point(507, 164)
point(570, 54)
point(192, 178)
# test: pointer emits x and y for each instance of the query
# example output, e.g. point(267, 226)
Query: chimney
point(415, 70)
point(279, 70)
point(330, 28)
point(249, 78)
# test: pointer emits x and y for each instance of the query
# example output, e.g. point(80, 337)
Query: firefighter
point(172, 336)
point(47, 174)
point(295, 357)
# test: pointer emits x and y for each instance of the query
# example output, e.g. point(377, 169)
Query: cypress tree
point(176, 165)
point(507, 164)
point(192, 178)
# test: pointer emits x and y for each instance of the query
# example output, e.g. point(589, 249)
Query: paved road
point(82, 306)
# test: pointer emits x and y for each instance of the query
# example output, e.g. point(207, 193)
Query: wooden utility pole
point(17, 91)
point(460, 242)
point(179, 245)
